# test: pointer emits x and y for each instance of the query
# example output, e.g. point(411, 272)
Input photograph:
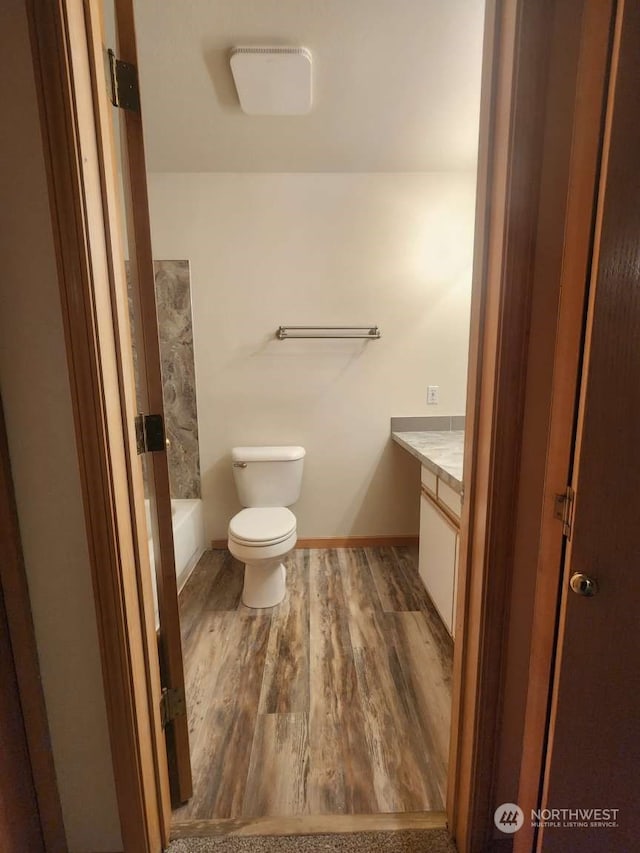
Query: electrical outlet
point(433, 392)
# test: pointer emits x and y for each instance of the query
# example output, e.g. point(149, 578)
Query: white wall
point(271, 249)
point(36, 396)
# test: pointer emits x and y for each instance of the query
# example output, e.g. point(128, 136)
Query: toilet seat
point(261, 527)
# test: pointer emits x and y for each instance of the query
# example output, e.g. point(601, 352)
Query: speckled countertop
point(441, 452)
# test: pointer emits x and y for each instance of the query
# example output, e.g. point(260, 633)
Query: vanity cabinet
point(440, 510)
point(440, 453)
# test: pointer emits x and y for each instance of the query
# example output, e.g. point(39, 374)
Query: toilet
point(268, 480)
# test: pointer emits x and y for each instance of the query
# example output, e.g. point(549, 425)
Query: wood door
point(593, 759)
point(122, 161)
point(19, 818)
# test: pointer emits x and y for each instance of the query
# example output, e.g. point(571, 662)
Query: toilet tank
point(268, 476)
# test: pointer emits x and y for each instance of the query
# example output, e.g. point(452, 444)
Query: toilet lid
point(264, 525)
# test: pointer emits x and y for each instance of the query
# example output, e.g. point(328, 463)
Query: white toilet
point(268, 480)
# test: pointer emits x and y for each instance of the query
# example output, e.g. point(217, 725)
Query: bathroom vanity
point(440, 454)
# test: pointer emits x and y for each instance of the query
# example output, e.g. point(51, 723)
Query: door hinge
point(125, 92)
point(563, 510)
point(172, 704)
point(149, 433)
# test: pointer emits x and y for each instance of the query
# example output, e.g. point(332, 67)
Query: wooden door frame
point(512, 146)
point(164, 644)
point(509, 163)
point(580, 176)
point(604, 265)
point(544, 81)
point(105, 441)
point(13, 580)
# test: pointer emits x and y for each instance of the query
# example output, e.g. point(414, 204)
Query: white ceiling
point(396, 85)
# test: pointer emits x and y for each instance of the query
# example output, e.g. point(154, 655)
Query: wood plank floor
point(335, 702)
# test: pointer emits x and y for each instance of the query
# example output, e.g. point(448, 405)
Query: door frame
point(581, 182)
point(140, 323)
point(518, 35)
point(604, 267)
point(105, 441)
point(532, 273)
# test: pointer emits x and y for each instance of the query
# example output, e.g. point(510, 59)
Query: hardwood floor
point(335, 702)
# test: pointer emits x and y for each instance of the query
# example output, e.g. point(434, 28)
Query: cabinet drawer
point(429, 480)
point(450, 498)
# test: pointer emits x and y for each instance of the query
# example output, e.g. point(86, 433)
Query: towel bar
point(368, 332)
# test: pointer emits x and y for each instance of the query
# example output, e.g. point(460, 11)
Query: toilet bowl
point(261, 537)
point(268, 480)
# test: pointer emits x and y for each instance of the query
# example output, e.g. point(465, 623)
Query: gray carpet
point(399, 841)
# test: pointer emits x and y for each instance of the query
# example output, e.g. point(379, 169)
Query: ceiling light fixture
point(272, 81)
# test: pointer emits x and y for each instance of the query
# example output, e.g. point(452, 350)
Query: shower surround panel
point(173, 300)
point(175, 333)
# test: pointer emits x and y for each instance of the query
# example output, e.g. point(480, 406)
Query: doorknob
point(583, 585)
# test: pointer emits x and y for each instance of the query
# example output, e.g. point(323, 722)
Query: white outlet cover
point(433, 393)
point(272, 81)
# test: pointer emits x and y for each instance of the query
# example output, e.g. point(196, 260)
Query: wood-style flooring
point(337, 701)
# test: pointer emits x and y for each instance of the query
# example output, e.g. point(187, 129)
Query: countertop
point(440, 451)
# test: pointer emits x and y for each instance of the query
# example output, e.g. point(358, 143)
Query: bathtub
point(188, 542)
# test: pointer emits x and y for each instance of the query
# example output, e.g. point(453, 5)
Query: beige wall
point(271, 249)
point(35, 391)
point(396, 85)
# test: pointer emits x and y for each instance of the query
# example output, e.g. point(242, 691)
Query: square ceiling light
point(272, 81)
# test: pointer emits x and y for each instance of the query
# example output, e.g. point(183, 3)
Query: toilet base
point(264, 583)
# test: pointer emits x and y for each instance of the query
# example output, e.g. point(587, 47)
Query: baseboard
point(343, 542)
point(308, 824)
point(357, 541)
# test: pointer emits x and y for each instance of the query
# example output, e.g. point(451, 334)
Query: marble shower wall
point(173, 301)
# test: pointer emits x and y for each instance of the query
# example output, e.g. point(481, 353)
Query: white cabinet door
point(437, 558)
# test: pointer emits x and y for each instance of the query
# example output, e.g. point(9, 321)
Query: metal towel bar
point(369, 332)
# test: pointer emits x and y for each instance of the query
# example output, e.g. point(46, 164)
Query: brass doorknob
point(583, 585)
